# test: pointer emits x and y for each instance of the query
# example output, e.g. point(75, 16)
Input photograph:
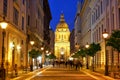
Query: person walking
point(16, 71)
point(53, 63)
point(66, 64)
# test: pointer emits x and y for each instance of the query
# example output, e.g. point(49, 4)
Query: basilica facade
point(62, 43)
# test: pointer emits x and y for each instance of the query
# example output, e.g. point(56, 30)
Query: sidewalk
point(21, 73)
point(97, 75)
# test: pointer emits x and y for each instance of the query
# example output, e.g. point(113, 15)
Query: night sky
point(67, 7)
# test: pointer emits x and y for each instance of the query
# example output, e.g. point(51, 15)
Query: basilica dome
point(62, 24)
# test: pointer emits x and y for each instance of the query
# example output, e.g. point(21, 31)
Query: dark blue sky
point(67, 7)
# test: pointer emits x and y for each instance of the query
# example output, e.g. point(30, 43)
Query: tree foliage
point(76, 55)
point(82, 52)
point(34, 53)
point(114, 40)
point(94, 48)
point(52, 56)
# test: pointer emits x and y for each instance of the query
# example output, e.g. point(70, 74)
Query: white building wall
point(104, 20)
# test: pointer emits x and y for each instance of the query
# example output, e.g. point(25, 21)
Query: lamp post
point(3, 26)
point(43, 55)
point(87, 46)
point(31, 65)
point(105, 36)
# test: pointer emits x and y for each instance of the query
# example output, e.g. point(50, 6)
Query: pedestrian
point(53, 63)
point(39, 65)
point(76, 64)
point(80, 63)
point(66, 64)
point(16, 71)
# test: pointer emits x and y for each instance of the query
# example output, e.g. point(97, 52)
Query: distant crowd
point(77, 64)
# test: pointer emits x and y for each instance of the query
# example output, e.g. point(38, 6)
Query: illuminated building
point(14, 12)
point(62, 43)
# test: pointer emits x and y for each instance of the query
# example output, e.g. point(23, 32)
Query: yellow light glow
point(47, 51)
point(47, 54)
point(18, 47)
point(105, 35)
point(32, 42)
point(3, 25)
point(62, 53)
point(71, 58)
point(87, 45)
point(12, 45)
point(42, 48)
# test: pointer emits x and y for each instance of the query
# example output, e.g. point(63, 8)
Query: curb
point(28, 73)
point(92, 75)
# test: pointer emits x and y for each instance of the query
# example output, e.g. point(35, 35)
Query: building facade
point(47, 18)
point(105, 15)
point(14, 13)
point(101, 15)
point(62, 43)
point(35, 26)
point(77, 30)
point(25, 19)
point(85, 28)
point(72, 41)
point(52, 41)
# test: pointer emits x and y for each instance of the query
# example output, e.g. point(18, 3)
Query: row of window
point(97, 12)
point(15, 13)
point(97, 35)
point(61, 37)
point(5, 7)
point(16, 18)
point(110, 23)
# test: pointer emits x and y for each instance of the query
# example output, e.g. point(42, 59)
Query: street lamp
point(47, 51)
point(3, 26)
point(42, 48)
point(32, 43)
point(105, 36)
point(87, 46)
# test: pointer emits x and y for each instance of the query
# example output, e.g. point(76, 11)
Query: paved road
point(62, 74)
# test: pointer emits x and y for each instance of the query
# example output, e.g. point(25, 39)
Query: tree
point(82, 53)
point(76, 55)
point(114, 41)
point(52, 56)
point(38, 53)
point(34, 54)
point(87, 52)
point(93, 49)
